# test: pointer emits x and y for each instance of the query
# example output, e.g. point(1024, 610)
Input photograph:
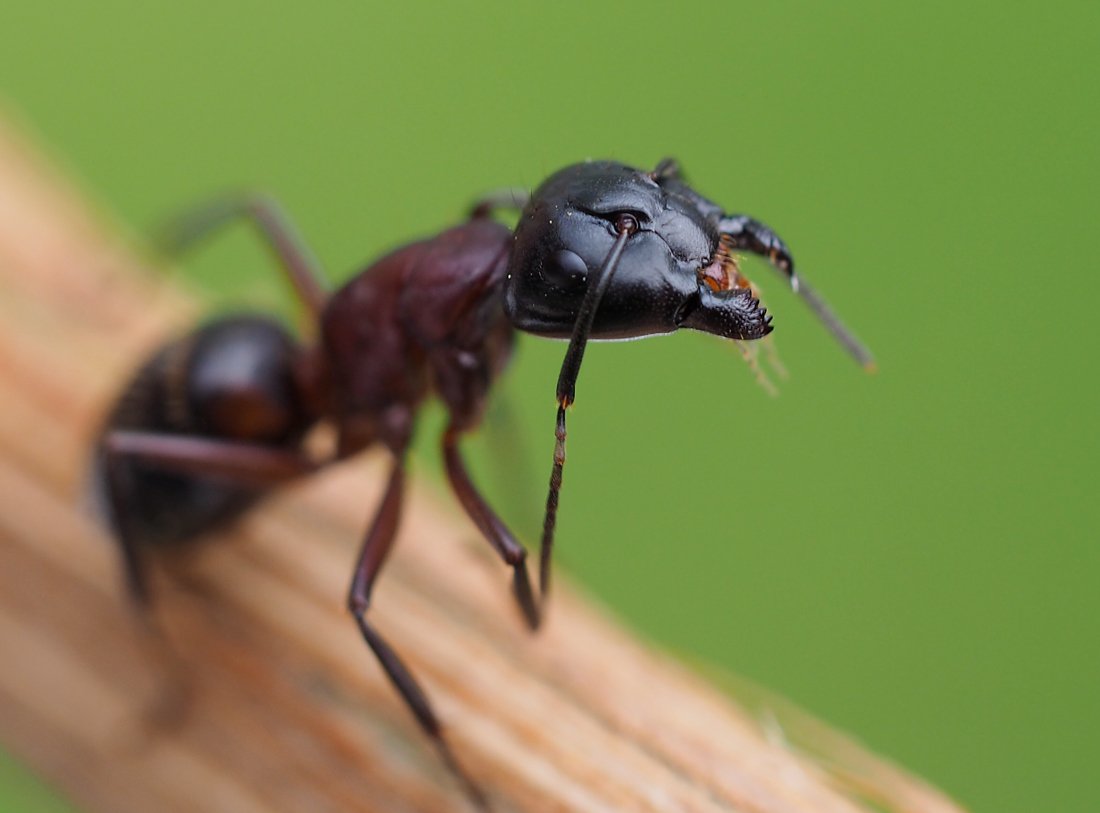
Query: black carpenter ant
point(218, 418)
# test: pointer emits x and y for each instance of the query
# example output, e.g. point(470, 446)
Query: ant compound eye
point(566, 269)
point(626, 222)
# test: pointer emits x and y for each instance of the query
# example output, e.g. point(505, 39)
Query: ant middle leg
point(276, 229)
point(376, 547)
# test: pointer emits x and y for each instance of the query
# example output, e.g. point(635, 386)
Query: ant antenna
point(567, 385)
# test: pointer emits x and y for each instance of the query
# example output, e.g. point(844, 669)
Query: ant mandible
point(215, 420)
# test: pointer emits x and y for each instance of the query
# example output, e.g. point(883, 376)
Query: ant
point(217, 419)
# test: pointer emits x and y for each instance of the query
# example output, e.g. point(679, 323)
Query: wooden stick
point(288, 709)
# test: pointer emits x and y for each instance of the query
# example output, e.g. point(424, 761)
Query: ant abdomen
point(234, 379)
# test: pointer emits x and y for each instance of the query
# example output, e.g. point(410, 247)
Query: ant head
point(675, 269)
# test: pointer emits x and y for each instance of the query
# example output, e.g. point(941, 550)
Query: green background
point(911, 555)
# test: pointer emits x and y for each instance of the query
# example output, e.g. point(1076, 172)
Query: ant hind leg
point(275, 228)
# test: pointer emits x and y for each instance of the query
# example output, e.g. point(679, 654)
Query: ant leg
point(567, 386)
point(235, 462)
point(376, 546)
point(491, 527)
point(173, 693)
point(513, 197)
point(743, 232)
point(668, 169)
point(299, 264)
point(247, 464)
point(240, 463)
point(114, 486)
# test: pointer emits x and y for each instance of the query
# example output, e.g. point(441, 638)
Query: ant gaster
point(218, 418)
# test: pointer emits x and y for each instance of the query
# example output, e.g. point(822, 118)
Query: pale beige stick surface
point(290, 712)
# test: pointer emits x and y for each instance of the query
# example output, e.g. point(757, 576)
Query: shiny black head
point(676, 270)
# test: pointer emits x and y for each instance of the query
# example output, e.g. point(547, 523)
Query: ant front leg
point(376, 547)
point(276, 229)
point(491, 527)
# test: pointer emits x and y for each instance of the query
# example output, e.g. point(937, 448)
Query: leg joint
point(358, 604)
point(515, 556)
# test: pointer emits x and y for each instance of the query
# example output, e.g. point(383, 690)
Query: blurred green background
point(912, 555)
